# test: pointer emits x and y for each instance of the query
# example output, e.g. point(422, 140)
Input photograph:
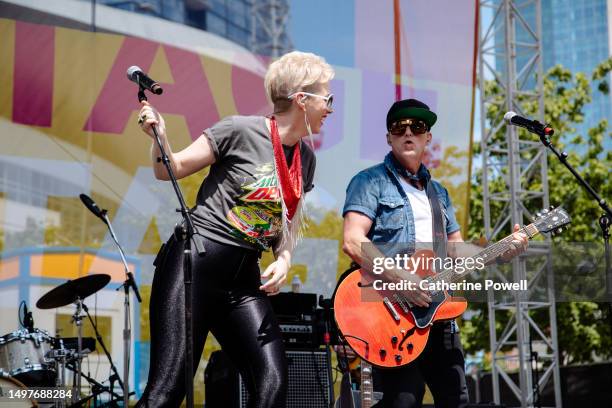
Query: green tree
point(584, 329)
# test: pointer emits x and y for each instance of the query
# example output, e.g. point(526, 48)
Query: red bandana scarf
point(290, 179)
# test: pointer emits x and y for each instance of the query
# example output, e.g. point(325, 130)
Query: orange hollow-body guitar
point(385, 329)
point(380, 326)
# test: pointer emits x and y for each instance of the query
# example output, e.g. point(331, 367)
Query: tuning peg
point(538, 214)
point(545, 211)
point(552, 207)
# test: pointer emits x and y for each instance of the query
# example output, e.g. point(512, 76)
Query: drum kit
point(31, 358)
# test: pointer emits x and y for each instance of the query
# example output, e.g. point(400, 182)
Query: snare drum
point(23, 355)
point(10, 385)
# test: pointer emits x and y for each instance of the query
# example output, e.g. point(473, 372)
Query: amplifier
point(298, 335)
point(296, 315)
point(308, 381)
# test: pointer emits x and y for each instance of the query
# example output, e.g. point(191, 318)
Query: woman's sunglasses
point(417, 127)
point(329, 99)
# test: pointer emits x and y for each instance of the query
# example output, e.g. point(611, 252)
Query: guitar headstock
point(552, 220)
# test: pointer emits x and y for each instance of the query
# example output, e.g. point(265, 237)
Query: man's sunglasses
point(329, 99)
point(417, 127)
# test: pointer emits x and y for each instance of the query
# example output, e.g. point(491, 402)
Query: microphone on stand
point(135, 74)
point(93, 207)
point(532, 126)
point(28, 320)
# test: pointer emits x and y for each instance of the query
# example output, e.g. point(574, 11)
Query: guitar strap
point(438, 222)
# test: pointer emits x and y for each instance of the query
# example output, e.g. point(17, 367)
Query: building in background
point(575, 34)
point(258, 25)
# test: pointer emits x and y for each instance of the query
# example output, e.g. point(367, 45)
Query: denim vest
point(377, 193)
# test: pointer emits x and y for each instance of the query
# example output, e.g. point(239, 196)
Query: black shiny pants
point(227, 302)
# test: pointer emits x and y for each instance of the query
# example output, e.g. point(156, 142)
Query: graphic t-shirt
point(239, 201)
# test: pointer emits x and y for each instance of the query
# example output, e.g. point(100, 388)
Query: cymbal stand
point(59, 356)
point(97, 389)
point(101, 342)
point(77, 319)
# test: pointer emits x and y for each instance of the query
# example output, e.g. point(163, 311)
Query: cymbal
point(68, 292)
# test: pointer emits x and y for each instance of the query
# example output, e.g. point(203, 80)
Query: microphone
point(28, 320)
point(93, 207)
point(532, 126)
point(135, 74)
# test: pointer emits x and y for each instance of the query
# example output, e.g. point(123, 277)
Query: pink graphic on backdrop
point(433, 154)
point(189, 95)
point(437, 39)
point(33, 77)
point(377, 97)
point(249, 93)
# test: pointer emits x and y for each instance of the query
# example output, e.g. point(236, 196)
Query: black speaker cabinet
point(308, 381)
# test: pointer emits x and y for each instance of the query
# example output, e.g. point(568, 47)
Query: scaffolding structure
point(269, 27)
point(510, 59)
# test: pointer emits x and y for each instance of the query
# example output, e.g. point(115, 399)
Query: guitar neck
point(489, 253)
point(366, 387)
point(500, 247)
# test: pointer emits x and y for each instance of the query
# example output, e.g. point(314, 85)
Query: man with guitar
point(396, 205)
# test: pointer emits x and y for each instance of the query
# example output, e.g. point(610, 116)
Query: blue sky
point(324, 27)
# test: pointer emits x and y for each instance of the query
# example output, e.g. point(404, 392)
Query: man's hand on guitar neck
point(519, 244)
point(459, 248)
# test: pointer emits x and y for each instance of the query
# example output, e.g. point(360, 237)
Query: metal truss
point(514, 177)
point(269, 28)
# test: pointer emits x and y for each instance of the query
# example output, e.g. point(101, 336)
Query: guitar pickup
point(391, 309)
point(401, 302)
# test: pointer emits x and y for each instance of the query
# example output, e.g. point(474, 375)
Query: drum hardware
point(97, 389)
point(62, 356)
point(70, 343)
point(106, 352)
point(75, 291)
point(77, 320)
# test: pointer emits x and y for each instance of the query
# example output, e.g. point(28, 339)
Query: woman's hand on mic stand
point(149, 116)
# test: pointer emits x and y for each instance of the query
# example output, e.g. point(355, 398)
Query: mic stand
point(326, 305)
point(604, 220)
point(186, 231)
point(127, 331)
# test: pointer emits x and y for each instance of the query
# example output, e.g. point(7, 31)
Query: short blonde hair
point(293, 72)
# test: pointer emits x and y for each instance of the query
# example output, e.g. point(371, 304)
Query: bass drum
point(8, 385)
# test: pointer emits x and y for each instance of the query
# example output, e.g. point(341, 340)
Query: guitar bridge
point(391, 309)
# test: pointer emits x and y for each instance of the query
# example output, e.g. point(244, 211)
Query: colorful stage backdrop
point(68, 126)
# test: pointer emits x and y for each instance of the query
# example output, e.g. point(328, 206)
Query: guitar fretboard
point(491, 252)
